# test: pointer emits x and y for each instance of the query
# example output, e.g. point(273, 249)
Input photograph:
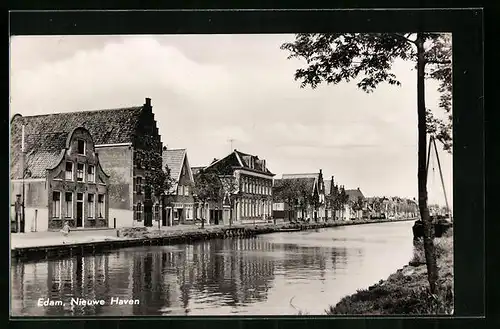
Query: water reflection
point(247, 276)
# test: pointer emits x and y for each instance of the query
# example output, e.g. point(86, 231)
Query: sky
point(209, 89)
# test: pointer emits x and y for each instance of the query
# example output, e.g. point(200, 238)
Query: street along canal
point(273, 274)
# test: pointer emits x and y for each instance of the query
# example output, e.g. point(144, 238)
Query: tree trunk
point(202, 216)
point(430, 255)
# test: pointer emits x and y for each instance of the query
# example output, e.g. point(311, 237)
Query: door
point(148, 215)
point(79, 214)
point(164, 217)
point(180, 213)
point(79, 210)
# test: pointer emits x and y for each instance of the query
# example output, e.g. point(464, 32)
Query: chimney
point(148, 101)
point(358, 188)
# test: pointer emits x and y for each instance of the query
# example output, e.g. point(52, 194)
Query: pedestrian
point(66, 229)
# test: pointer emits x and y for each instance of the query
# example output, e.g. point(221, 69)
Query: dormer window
point(69, 171)
point(81, 147)
point(79, 172)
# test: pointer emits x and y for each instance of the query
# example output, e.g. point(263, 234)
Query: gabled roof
point(175, 159)
point(237, 159)
point(354, 194)
point(328, 186)
point(309, 181)
point(43, 151)
point(45, 135)
point(196, 170)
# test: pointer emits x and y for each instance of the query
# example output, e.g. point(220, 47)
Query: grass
point(406, 291)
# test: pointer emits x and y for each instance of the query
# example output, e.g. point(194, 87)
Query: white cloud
point(207, 89)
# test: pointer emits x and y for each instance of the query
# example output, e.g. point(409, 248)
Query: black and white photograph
point(231, 174)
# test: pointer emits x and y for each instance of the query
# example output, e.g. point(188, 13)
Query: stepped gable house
point(180, 202)
point(63, 177)
point(251, 200)
point(127, 144)
point(316, 209)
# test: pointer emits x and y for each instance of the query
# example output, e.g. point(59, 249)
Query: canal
point(273, 274)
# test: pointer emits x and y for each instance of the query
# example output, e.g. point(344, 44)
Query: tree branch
point(402, 36)
point(432, 61)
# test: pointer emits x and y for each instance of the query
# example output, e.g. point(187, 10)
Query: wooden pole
point(431, 140)
point(441, 175)
point(22, 221)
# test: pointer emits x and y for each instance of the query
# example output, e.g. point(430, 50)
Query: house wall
point(182, 204)
point(57, 182)
point(254, 200)
point(117, 162)
point(36, 213)
point(146, 144)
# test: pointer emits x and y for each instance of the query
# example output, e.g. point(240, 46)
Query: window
point(180, 190)
point(138, 159)
point(79, 171)
point(100, 206)
point(69, 171)
point(138, 212)
point(156, 212)
point(68, 204)
point(91, 174)
point(189, 212)
point(90, 206)
point(138, 185)
point(186, 190)
point(56, 204)
point(81, 146)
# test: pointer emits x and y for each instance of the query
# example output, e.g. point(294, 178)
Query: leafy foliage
point(368, 58)
point(342, 57)
point(207, 187)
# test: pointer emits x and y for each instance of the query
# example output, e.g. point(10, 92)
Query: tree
point(229, 188)
point(358, 206)
point(337, 57)
point(157, 182)
point(343, 199)
point(287, 191)
point(305, 196)
point(333, 201)
point(207, 187)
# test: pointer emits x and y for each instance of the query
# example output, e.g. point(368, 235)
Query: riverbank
point(55, 245)
point(406, 291)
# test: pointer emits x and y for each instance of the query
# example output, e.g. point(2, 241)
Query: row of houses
point(89, 169)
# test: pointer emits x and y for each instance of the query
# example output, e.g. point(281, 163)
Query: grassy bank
point(406, 291)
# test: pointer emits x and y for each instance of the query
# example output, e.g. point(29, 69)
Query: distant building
point(356, 204)
point(63, 178)
point(252, 198)
point(314, 208)
point(180, 204)
point(126, 140)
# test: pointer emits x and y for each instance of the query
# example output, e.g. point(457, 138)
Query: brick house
point(180, 202)
point(355, 210)
point(315, 209)
point(251, 200)
point(63, 178)
point(126, 141)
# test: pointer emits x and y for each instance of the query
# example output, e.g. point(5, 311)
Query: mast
point(22, 222)
point(441, 175)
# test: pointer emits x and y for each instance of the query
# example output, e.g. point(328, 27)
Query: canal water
point(274, 274)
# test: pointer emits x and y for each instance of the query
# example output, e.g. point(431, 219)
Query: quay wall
point(142, 236)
